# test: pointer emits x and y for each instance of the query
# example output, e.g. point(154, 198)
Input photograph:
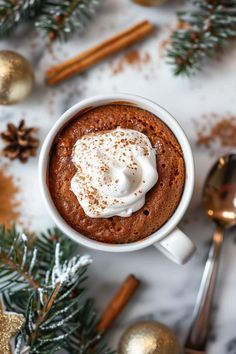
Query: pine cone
point(20, 144)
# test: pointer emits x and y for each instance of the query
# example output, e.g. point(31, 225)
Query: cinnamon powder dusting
point(131, 58)
point(8, 203)
point(217, 132)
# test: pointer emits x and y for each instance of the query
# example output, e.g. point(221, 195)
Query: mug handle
point(176, 246)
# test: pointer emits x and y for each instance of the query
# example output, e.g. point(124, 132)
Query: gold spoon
point(219, 202)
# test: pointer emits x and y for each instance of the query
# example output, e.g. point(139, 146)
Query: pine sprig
point(14, 12)
point(201, 34)
point(59, 19)
point(41, 279)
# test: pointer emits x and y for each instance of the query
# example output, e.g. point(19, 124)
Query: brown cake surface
point(161, 200)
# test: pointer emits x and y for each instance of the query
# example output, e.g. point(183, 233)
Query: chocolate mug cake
point(116, 173)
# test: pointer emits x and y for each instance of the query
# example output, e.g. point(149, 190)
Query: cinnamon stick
point(118, 302)
point(92, 56)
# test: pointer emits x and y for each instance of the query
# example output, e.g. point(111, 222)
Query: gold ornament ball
point(16, 77)
point(149, 337)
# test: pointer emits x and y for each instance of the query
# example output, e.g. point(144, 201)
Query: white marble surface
point(168, 291)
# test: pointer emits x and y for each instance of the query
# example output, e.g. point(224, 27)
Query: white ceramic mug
point(168, 239)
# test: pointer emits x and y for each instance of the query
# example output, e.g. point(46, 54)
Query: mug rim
point(174, 126)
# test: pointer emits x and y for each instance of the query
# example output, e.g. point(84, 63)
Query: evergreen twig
point(201, 33)
point(57, 18)
point(41, 279)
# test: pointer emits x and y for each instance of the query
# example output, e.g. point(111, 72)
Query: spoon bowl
point(219, 192)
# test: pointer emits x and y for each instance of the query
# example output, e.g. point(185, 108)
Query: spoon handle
point(199, 330)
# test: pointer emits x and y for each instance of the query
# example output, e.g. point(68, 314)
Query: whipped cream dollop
point(115, 170)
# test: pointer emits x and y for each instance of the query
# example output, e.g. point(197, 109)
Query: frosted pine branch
point(201, 33)
point(43, 280)
point(58, 19)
